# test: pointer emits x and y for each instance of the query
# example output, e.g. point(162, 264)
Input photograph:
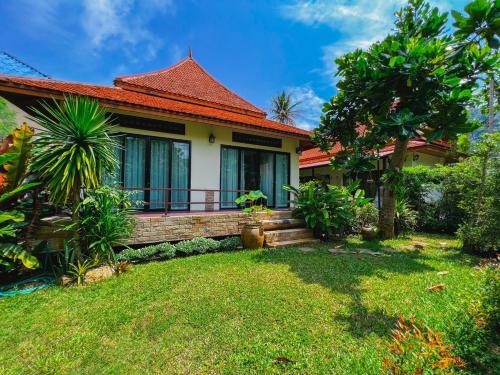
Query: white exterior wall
point(21, 116)
point(205, 157)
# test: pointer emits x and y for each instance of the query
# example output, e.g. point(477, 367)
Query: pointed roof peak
point(188, 81)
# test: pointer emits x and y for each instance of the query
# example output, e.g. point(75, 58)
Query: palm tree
point(74, 149)
point(284, 109)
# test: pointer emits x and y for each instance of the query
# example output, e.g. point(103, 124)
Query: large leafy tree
point(284, 109)
point(74, 149)
point(418, 81)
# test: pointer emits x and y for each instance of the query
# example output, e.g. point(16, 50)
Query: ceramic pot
point(369, 233)
point(252, 236)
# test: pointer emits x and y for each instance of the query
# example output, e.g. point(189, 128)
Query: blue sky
point(256, 48)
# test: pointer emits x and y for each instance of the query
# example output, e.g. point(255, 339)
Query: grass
point(236, 312)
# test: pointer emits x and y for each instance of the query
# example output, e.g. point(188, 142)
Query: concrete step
point(300, 242)
point(275, 224)
point(287, 235)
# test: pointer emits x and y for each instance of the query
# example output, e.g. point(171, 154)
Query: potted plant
point(252, 235)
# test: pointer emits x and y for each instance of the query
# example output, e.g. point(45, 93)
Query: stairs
point(283, 230)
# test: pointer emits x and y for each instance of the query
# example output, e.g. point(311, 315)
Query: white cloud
point(123, 23)
point(359, 23)
point(309, 108)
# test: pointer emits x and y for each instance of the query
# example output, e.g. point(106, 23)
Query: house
point(189, 144)
point(315, 164)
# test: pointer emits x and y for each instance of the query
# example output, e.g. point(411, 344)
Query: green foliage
point(197, 245)
point(105, 220)
point(479, 22)
point(230, 244)
point(479, 229)
point(65, 259)
point(7, 119)
point(474, 334)
point(330, 210)
point(405, 218)
point(157, 251)
point(79, 269)
point(75, 147)
point(284, 109)
point(366, 216)
point(250, 201)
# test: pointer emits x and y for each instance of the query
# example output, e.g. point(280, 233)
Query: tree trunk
point(491, 106)
point(386, 222)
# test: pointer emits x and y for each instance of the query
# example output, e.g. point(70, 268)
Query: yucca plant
point(74, 149)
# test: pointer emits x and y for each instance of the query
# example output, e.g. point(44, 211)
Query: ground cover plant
point(262, 311)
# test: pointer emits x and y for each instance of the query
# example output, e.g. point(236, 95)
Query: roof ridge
point(25, 64)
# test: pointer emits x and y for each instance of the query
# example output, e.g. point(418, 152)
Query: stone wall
point(158, 228)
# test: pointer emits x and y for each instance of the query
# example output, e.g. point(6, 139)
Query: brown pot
point(252, 236)
point(369, 233)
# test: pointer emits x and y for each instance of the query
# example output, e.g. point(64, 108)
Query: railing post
point(166, 201)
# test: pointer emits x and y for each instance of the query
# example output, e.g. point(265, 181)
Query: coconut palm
point(74, 149)
point(284, 109)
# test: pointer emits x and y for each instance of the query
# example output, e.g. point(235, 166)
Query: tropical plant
point(327, 210)
point(7, 119)
point(65, 259)
point(75, 148)
point(405, 218)
point(79, 269)
point(13, 161)
point(479, 229)
point(417, 349)
point(418, 80)
point(366, 216)
point(105, 220)
point(250, 201)
point(284, 108)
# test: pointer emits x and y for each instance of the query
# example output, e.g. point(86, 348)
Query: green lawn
point(236, 312)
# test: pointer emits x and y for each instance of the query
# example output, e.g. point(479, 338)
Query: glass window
point(134, 167)
point(229, 177)
point(180, 176)
point(159, 173)
point(247, 169)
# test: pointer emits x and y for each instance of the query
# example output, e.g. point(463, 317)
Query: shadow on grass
point(344, 273)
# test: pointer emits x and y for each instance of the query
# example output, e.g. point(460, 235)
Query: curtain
point(134, 176)
point(115, 179)
point(282, 178)
point(266, 169)
point(180, 175)
point(159, 173)
point(229, 177)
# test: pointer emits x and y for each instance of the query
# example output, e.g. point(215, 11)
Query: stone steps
point(281, 235)
point(300, 242)
point(275, 224)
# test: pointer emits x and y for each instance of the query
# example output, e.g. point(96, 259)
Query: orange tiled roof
point(316, 158)
point(188, 81)
point(112, 96)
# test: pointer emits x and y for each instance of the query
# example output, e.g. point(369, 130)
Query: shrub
point(329, 209)
point(417, 349)
point(366, 216)
point(405, 218)
point(198, 245)
point(105, 220)
point(230, 244)
point(148, 252)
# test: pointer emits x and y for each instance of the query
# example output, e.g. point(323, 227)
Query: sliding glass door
point(157, 171)
point(250, 169)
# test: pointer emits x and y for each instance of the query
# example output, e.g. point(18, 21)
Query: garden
point(411, 288)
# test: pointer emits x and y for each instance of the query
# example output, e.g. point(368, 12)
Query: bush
point(105, 220)
point(230, 244)
point(327, 210)
point(162, 250)
point(475, 333)
point(366, 216)
point(198, 245)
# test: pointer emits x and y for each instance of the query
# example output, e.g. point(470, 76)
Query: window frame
point(147, 168)
point(259, 151)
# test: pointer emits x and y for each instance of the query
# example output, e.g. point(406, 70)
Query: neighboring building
point(315, 164)
point(11, 65)
point(189, 143)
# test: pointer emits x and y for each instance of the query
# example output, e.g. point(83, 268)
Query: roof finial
point(190, 53)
